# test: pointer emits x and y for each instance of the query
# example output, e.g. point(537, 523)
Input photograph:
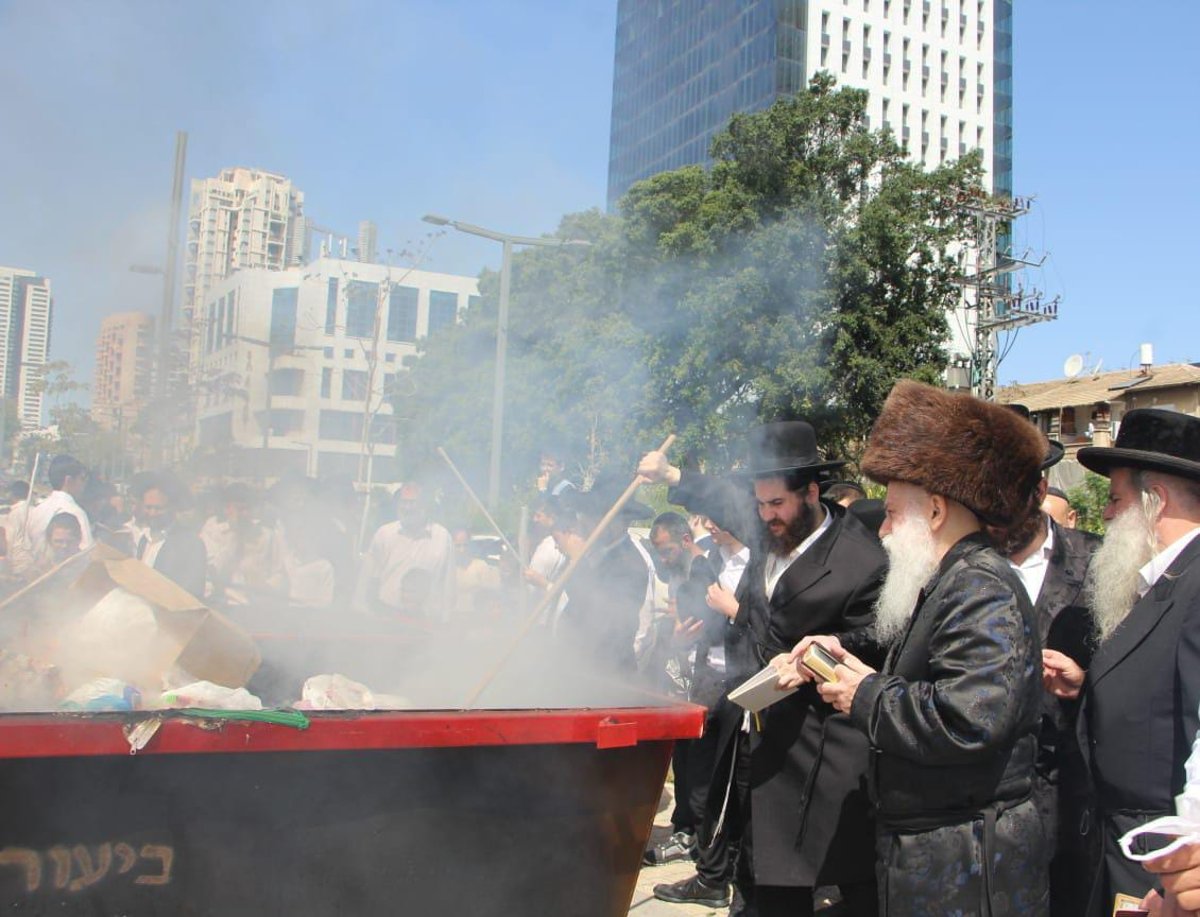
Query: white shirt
point(733, 566)
point(776, 566)
point(1161, 562)
point(154, 542)
point(59, 501)
point(1032, 570)
point(394, 553)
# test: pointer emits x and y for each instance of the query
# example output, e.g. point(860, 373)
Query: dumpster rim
point(55, 735)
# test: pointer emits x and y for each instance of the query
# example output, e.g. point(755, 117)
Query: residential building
point(25, 312)
point(1086, 410)
point(939, 74)
point(295, 367)
point(121, 386)
point(242, 219)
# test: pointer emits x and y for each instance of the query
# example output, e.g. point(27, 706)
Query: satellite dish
point(1073, 366)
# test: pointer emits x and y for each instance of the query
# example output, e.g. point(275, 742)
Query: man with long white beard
point(1142, 691)
point(952, 718)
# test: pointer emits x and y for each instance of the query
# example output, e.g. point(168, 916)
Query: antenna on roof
point(1073, 366)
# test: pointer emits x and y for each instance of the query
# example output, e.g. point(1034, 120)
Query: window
point(389, 358)
point(287, 381)
point(331, 306)
point(344, 426)
point(328, 351)
point(327, 382)
point(354, 385)
point(402, 314)
point(362, 298)
point(283, 319)
point(230, 312)
point(443, 308)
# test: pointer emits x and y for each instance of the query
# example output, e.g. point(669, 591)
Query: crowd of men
point(1009, 697)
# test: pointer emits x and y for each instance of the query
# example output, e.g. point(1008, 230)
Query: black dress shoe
point(693, 891)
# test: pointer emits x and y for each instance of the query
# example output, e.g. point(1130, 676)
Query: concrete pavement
point(644, 903)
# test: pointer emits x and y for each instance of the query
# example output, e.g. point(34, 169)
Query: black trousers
point(730, 856)
point(693, 762)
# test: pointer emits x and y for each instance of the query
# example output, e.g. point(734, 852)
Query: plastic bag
point(337, 692)
point(101, 694)
point(211, 696)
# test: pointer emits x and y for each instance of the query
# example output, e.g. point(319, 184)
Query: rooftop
point(1089, 389)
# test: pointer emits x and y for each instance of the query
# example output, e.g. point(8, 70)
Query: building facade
point(1086, 410)
point(25, 312)
point(939, 74)
point(296, 367)
point(242, 219)
point(124, 375)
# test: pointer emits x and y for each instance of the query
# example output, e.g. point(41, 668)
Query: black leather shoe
point(693, 891)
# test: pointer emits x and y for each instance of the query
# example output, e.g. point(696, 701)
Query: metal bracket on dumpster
point(612, 733)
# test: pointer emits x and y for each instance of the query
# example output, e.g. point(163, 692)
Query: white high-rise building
point(243, 218)
point(296, 367)
point(938, 74)
point(25, 311)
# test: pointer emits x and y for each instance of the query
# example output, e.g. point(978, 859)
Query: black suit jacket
point(811, 823)
point(181, 558)
point(1140, 703)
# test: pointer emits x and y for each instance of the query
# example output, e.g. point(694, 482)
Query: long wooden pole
point(559, 584)
point(479, 504)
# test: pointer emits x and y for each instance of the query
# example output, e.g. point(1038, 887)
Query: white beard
point(1113, 574)
point(913, 559)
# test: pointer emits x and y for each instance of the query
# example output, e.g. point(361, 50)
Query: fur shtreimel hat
point(979, 454)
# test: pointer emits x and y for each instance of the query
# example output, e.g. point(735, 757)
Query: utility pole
point(166, 321)
point(989, 289)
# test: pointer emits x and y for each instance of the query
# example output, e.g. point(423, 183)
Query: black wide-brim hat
point(1150, 439)
point(787, 445)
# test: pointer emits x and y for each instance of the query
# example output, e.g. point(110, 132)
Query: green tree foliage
point(1088, 499)
point(801, 275)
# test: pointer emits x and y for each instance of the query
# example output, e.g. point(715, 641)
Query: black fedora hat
point(1150, 439)
point(787, 445)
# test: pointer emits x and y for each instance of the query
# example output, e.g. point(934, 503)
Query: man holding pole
point(789, 783)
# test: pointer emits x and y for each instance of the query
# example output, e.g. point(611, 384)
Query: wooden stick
point(560, 583)
point(479, 504)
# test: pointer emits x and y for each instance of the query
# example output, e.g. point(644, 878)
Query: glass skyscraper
point(939, 74)
point(683, 67)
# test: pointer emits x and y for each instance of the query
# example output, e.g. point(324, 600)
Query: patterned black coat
point(811, 816)
point(1140, 717)
point(952, 720)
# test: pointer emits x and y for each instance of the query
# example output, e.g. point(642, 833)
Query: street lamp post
point(507, 240)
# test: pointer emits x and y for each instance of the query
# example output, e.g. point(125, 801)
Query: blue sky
point(497, 113)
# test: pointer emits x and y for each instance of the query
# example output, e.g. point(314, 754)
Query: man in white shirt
point(412, 548)
point(1142, 689)
point(68, 477)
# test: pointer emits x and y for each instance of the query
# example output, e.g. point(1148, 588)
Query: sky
point(497, 113)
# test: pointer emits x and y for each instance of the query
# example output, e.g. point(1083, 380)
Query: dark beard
point(1017, 539)
point(797, 530)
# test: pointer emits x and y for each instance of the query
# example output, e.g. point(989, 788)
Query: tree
point(823, 246)
point(71, 429)
point(1088, 499)
point(801, 275)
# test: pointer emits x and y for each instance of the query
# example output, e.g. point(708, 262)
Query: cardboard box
point(188, 634)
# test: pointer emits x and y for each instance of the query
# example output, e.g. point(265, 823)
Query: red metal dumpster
point(446, 813)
